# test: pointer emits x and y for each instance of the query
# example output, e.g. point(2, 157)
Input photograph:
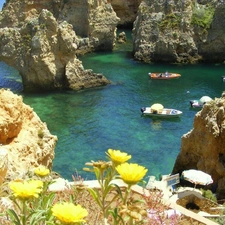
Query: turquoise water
point(89, 122)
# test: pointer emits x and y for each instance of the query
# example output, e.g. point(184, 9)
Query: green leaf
point(97, 173)
point(49, 200)
point(116, 216)
point(118, 191)
point(95, 195)
point(108, 189)
point(37, 217)
point(13, 216)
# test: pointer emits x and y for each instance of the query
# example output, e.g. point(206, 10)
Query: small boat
point(199, 103)
point(164, 76)
point(157, 110)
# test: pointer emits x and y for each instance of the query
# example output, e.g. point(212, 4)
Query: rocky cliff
point(94, 20)
point(44, 53)
point(203, 148)
point(25, 141)
point(42, 46)
point(126, 10)
point(180, 31)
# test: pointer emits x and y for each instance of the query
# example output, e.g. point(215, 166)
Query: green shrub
point(209, 195)
point(203, 15)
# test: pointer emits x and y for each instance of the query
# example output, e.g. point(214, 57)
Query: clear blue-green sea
point(89, 122)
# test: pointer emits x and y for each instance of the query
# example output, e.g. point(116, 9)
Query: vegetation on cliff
point(203, 15)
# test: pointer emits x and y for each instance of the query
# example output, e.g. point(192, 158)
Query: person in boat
point(166, 74)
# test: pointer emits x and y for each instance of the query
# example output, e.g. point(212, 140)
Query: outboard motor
point(192, 102)
point(223, 78)
point(143, 109)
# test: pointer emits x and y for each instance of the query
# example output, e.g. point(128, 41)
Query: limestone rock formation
point(203, 148)
point(36, 39)
point(44, 53)
point(179, 31)
point(94, 20)
point(25, 141)
point(126, 10)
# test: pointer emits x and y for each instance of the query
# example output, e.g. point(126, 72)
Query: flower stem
point(23, 212)
point(127, 193)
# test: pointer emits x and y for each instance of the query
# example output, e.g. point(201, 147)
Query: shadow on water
point(161, 119)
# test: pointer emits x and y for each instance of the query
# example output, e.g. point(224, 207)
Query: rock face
point(25, 141)
point(44, 53)
point(42, 47)
point(92, 19)
point(179, 31)
point(203, 148)
point(126, 10)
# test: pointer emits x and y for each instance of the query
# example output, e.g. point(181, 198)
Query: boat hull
point(196, 104)
point(164, 76)
point(164, 113)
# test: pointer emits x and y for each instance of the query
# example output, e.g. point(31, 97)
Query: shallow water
point(89, 122)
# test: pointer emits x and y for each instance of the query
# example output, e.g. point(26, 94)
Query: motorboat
point(163, 76)
point(158, 110)
point(200, 102)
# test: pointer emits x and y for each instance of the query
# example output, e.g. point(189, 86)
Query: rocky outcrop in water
point(25, 141)
point(35, 40)
point(179, 31)
point(203, 148)
point(44, 53)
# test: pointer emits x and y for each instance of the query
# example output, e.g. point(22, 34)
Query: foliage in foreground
point(32, 203)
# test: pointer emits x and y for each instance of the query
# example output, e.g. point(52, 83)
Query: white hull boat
point(199, 103)
point(161, 113)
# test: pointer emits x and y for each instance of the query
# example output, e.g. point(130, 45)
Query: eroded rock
point(203, 148)
point(42, 51)
point(178, 31)
point(38, 40)
point(25, 141)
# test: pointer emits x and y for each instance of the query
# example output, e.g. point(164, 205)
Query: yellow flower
point(41, 171)
point(117, 156)
point(131, 173)
point(26, 189)
point(69, 213)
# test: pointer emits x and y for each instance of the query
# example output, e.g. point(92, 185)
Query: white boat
point(160, 111)
point(199, 103)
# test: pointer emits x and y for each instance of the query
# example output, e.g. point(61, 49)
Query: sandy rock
point(3, 164)
point(203, 147)
point(27, 147)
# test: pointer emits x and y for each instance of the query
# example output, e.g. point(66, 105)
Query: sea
point(89, 122)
